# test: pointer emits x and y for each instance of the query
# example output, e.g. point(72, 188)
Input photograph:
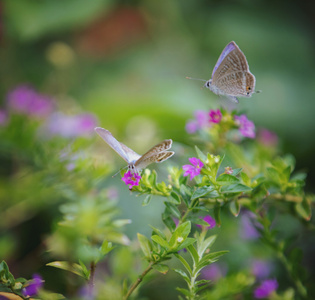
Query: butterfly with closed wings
point(136, 162)
point(231, 76)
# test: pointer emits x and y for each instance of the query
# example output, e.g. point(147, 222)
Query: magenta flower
point(194, 169)
point(261, 268)
point(26, 100)
point(266, 288)
point(201, 121)
point(267, 137)
point(131, 179)
point(3, 117)
point(209, 220)
point(215, 116)
point(33, 287)
point(228, 170)
point(69, 126)
point(247, 228)
point(213, 272)
point(246, 127)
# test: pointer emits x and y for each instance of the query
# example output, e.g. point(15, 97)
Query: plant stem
point(139, 279)
point(91, 279)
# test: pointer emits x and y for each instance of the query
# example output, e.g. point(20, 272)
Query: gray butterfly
point(136, 162)
point(231, 76)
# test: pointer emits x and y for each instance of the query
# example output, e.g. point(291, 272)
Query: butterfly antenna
point(196, 79)
point(119, 171)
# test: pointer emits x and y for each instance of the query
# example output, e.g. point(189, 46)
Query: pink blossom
point(215, 116)
point(267, 138)
point(32, 288)
point(209, 220)
point(266, 288)
point(194, 169)
point(131, 179)
point(24, 99)
point(213, 272)
point(246, 127)
point(228, 170)
point(261, 268)
point(200, 121)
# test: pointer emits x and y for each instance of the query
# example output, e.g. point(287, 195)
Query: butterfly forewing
point(126, 153)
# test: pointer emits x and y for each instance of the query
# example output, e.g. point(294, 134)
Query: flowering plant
point(235, 179)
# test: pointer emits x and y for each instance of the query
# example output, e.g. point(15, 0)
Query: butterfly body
point(136, 162)
point(231, 76)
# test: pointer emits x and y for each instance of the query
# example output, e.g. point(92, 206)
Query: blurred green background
point(126, 61)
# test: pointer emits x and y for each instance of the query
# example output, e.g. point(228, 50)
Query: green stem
point(139, 279)
point(91, 279)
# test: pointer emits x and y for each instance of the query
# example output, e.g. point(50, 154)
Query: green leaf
point(182, 231)
point(145, 245)
point(185, 292)
point(200, 154)
point(205, 244)
point(273, 174)
point(210, 258)
point(158, 232)
point(226, 179)
point(176, 197)
point(106, 247)
point(184, 263)
point(168, 221)
point(234, 208)
point(86, 272)
point(235, 188)
point(202, 191)
point(304, 209)
point(188, 241)
point(236, 171)
point(183, 274)
point(71, 267)
point(161, 268)
point(146, 200)
point(163, 243)
point(173, 209)
point(194, 254)
point(245, 178)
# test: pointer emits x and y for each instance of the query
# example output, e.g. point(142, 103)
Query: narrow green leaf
point(304, 209)
point(173, 209)
point(234, 208)
point(182, 231)
point(146, 200)
point(185, 292)
point(184, 263)
point(227, 179)
point(245, 178)
point(205, 244)
point(161, 268)
point(236, 171)
point(158, 232)
point(188, 241)
point(106, 247)
point(71, 267)
point(202, 191)
point(160, 241)
point(235, 188)
point(210, 258)
point(145, 245)
point(201, 156)
point(183, 274)
point(193, 253)
point(175, 197)
point(86, 272)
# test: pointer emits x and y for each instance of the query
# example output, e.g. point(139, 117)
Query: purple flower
point(71, 125)
point(201, 121)
point(131, 179)
point(26, 100)
point(215, 116)
point(3, 117)
point(228, 170)
point(33, 286)
point(260, 268)
point(247, 229)
point(209, 220)
point(213, 272)
point(266, 288)
point(246, 127)
point(194, 169)
point(267, 137)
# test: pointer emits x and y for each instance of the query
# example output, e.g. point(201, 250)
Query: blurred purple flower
point(228, 170)
point(267, 137)
point(215, 116)
point(209, 220)
point(131, 179)
point(3, 117)
point(176, 221)
point(213, 272)
point(246, 127)
point(201, 121)
point(32, 288)
point(261, 269)
point(266, 288)
point(247, 229)
point(194, 169)
point(71, 125)
point(24, 99)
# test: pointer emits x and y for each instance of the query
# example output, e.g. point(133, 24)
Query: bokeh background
point(126, 62)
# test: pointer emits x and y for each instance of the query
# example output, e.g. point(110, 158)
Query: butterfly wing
point(158, 153)
point(122, 150)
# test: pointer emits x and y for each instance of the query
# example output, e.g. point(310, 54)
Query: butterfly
point(136, 162)
point(231, 76)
